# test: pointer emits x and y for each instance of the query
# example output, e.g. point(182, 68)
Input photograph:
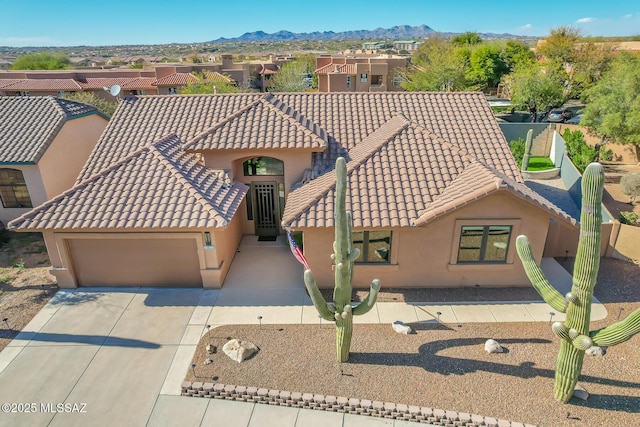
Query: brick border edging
point(342, 404)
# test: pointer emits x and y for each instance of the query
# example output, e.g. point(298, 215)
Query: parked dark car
point(559, 115)
point(575, 120)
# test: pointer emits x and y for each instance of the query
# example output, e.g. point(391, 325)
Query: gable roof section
point(102, 82)
point(28, 125)
point(284, 128)
point(392, 175)
point(159, 186)
point(337, 68)
point(176, 79)
point(140, 83)
point(44, 84)
point(478, 181)
point(141, 121)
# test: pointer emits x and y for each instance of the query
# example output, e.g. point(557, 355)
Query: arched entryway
point(265, 201)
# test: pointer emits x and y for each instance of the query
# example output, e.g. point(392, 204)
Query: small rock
point(211, 349)
point(239, 350)
point(596, 351)
point(208, 361)
point(401, 327)
point(580, 392)
point(492, 346)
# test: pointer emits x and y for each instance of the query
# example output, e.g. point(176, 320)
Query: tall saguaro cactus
point(341, 310)
point(574, 332)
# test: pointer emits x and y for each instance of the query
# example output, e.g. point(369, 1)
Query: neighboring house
point(176, 182)
point(407, 45)
point(44, 143)
point(359, 73)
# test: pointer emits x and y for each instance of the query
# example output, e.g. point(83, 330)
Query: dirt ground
point(613, 198)
point(25, 283)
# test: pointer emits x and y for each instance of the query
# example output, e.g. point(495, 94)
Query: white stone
point(211, 348)
point(239, 350)
point(596, 351)
point(492, 346)
point(208, 361)
point(580, 392)
point(401, 327)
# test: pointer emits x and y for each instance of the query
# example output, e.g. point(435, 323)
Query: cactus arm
point(548, 293)
point(316, 297)
point(368, 303)
point(618, 332)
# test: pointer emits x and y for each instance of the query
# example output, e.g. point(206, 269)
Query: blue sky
point(72, 23)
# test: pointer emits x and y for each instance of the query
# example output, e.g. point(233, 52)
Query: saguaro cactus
point(574, 332)
point(527, 150)
point(341, 310)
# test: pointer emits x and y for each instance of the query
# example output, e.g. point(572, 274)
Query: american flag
point(297, 252)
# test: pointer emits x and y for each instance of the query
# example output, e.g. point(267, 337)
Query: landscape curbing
point(341, 404)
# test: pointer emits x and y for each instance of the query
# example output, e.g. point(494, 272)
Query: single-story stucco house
point(175, 183)
point(44, 143)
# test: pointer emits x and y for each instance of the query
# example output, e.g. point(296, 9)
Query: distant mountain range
point(396, 33)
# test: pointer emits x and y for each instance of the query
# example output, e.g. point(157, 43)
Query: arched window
point(263, 166)
point(13, 189)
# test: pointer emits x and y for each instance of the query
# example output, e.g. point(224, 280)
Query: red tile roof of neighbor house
point(158, 186)
point(287, 129)
point(98, 83)
point(28, 125)
point(176, 79)
point(8, 82)
point(140, 83)
point(44, 85)
point(337, 68)
point(411, 156)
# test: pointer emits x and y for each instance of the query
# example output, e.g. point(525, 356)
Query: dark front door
point(266, 207)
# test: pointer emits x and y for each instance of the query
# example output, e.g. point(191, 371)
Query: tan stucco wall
point(563, 241)
point(226, 244)
point(68, 152)
point(426, 256)
point(35, 186)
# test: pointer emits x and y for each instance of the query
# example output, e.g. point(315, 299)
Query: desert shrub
point(630, 185)
point(630, 218)
point(517, 149)
point(606, 155)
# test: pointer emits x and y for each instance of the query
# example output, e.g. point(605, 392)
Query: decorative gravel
point(444, 366)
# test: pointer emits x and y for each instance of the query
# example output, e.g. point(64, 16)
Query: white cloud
point(526, 27)
point(27, 41)
point(628, 15)
point(584, 20)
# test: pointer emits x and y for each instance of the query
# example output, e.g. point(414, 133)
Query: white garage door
point(135, 262)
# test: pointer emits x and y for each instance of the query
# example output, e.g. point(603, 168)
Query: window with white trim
point(363, 77)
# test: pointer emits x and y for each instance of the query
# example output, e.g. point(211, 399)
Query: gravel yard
point(445, 366)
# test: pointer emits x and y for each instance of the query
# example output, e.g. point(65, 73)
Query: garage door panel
point(135, 262)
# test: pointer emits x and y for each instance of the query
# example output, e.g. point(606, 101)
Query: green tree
point(590, 62)
point(486, 65)
point(438, 66)
point(613, 103)
point(468, 38)
point(558, 46)
point(105, 106)
point(517, 54)
point(294, 75)
point(207, 83)
point(42, 61)
point(533, 84)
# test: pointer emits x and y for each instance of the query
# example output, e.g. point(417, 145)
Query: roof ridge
point(353, 164)
point(296, 117)
point(176, 171)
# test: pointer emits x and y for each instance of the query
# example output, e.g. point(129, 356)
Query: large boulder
point(239, 350)
point(401, 327)
point(492, 346)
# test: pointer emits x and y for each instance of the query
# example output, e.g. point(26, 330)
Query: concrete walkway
point(120, 355)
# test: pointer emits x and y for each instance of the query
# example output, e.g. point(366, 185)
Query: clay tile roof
point(159, 186)
point(98, 83)
point(28, 125)
point(44, 84)
point(478, 181)
point(139, 83)
point(141, 121)
point(287, 129)
point(176, 79)
point(8, 82)
point(214, 76)
point(337, 68)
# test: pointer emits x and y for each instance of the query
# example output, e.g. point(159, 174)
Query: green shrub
point(606, 155)
point(517, 149)
point(578, 151)
point(630, 185)
point(630, 218)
